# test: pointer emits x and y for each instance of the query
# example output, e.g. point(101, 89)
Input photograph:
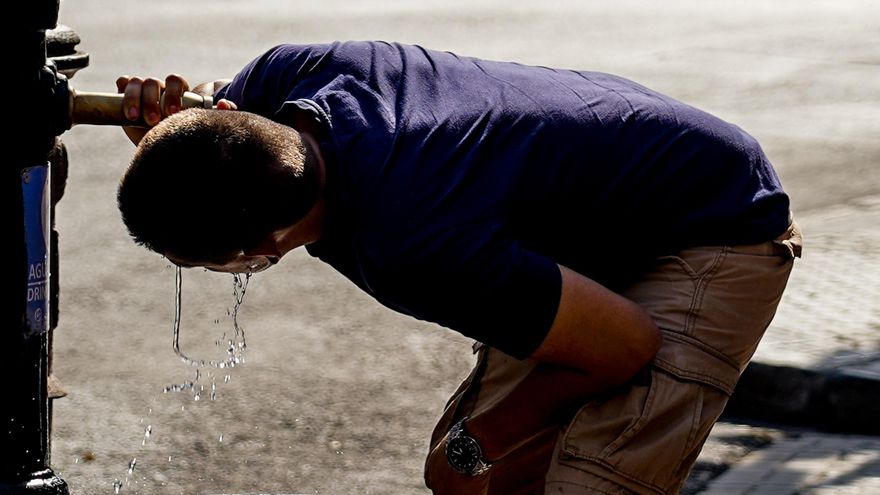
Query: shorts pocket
point(647, 436)
point(463, 397)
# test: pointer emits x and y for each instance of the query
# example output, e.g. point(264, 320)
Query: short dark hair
point(204, 185)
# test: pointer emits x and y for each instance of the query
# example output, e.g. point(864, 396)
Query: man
point(617, 254)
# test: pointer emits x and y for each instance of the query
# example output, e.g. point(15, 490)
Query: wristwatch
point(463, 452)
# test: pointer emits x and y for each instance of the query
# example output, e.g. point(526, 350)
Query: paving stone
point(809, 464)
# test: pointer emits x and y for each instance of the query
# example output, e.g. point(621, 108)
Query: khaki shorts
point(713, 305)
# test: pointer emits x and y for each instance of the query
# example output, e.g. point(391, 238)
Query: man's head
point(205, 186)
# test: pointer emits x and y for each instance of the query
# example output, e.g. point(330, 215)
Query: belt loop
point(790, 244)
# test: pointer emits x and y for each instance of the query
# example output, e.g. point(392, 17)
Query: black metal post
point(34, 92)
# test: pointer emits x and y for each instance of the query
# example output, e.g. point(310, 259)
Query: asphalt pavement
point(338, 395)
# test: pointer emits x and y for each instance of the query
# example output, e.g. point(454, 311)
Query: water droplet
point(179, 387)
point(147, 432)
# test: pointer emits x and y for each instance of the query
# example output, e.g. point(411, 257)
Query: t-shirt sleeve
point(494, 290)
point(269, 80)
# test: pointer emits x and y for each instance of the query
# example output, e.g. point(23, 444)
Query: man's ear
point(267, 247)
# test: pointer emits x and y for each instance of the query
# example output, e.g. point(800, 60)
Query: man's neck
point(303, 232)
point(309, 229)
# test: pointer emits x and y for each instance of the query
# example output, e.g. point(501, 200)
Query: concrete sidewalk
point(817, 367)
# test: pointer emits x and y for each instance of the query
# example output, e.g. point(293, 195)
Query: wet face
point(241, 263)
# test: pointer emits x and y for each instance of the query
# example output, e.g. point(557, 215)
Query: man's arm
point(598, 332)
point(599, 340)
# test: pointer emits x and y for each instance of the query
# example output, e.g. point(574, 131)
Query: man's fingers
point(131, 101)
point(224, 104)
point(142, 97)
point(175, 86)
point(121, 82)
point(150, 92)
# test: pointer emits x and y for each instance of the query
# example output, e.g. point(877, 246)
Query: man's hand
point(599, 332)
point(143, 97)
point(598, 341)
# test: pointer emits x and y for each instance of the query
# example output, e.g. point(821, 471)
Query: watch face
point(463, 454)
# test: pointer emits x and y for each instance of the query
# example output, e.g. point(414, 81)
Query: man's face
point(241, 263)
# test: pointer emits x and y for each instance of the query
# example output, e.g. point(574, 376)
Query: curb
point(832, 401)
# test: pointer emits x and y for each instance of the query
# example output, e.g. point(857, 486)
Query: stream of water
point(233, 346)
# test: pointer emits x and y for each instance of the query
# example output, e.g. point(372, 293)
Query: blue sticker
point(35, 190)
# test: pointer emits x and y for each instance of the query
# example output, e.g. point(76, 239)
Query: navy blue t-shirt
point(456, 185)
